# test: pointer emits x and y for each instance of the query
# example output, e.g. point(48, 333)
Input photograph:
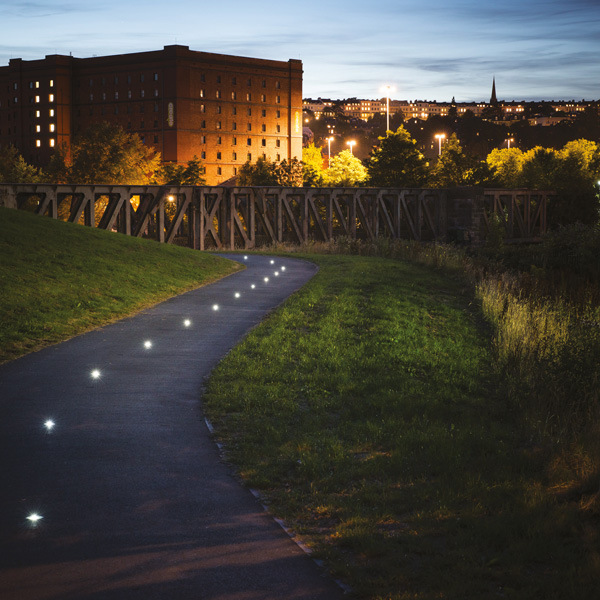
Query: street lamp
point(508, 141)
point(329, 140)
point(388, 89)
point(351, 143)
point(440, 137)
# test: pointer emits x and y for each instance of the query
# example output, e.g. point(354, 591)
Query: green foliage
point(345, 170)
point(453, 167)
point(60, 279)
point(106, 153)
point(265, 172)
point(396, 162)
point(312, 166)
point(174, 174)
point(506, 164)
point(14, 169)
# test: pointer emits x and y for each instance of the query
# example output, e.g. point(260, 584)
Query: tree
point(506, 164)
point(14, 169)
point(539, 168)
point(106, 153)
point(265, 172)
point(396, 162)
point(345, 170)
point(312, 166)
point(173, 174)
point(454, 167)
point(289, 173)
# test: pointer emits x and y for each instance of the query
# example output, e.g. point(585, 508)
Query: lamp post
point(329, 140)
point(351, 143)
point(388, 89)
point(508, 141)
point(440, 137)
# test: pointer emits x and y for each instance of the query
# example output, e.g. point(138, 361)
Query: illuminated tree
point(174, 174)
point(396, 162)
point(106, 153)
point(345, 170)
point(14, 169)
point(454, 167)
point(312, 166)
point(506, 165)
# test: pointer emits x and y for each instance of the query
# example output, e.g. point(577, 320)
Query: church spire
point(493, 99)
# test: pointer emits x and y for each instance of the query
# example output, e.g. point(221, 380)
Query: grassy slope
point(58, 279)
point(365, 410)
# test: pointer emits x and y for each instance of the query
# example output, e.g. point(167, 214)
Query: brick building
point(224, 109)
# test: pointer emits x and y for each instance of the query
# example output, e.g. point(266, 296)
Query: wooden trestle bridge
point(249, 217)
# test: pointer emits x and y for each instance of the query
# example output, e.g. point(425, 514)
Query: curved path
point(135, 503)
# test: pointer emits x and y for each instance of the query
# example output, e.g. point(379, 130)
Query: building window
point(249, 82)
point(278, 128)
point(249, 112)
point(249, 156)
point(278, 143)
point(52, 127)
point(218, 110)
point(249, 127)
point(201, 93)
point(234, 95)
point(203, 108)
point(116, 95)
point(219, 141)
point(203, 139)
point(234, 126)
point(116, 110)
point(141, 108)
point(218, 93)
point(264, 127)
point(103, 95)
point(278, 114)
point(203, 124)
point(278, 157)
point(263, 98)
point(156, 93)
point(116, 81)
point(235, 170)
point(249, 142)
point(156, 139)
point(38, 143)
point(218, 124)
point(264, 83)
point(37, 99)
point(37, 114)
point(129, 93)
point(37, 84)
point(264, 112)
point(202, 77)
point(142, 93)
point(91, 82)
point(233, 81)
point(51, 142)
point(234, 142)
point(155, 124)
point(234, 156)
point(278, 99)
point(278, 85)
point(234, 111)
point(38, 128)
point(263, 142)
point(218, 156)
point(142, 78)
point(156, 108)
point(249, 97)
point(128, 78)
point(218, 170)
point(203, 154)
point(155, 76)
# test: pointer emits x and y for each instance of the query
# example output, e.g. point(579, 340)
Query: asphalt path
point(134, 500)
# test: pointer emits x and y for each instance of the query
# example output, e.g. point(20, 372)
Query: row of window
point(32, 100)
point(219, 95)
point(248, 81)
point(219, 125)
point(129, 95)
point(263, 111)
point(234, 141)
point(32, 85)
point(115, 79)
point(234, 156)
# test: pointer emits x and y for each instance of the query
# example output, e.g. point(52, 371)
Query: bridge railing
point(249, 217)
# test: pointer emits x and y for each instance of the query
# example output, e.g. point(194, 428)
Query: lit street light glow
point(272, 262)
point(276, 273)
point(283, 268)
point(95, 374)
point(34, 518)
point(245, 258)
point(440, 137)
point(237, 295)
point(351, 143)
point(49, 425)
point(187, 323)
point(147, 344)
point(266, 280)
point(215, 307)
point(253, 286)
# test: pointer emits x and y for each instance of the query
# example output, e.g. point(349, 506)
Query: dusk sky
point(536, 49)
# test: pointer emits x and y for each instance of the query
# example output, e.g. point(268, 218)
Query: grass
point(59, 279)
point(370, 413)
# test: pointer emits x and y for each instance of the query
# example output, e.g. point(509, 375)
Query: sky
point(434, 50)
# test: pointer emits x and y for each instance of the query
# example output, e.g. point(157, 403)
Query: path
point(135, 501)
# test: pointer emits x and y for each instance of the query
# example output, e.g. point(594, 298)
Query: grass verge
point(368, 412)
point(59, 279)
